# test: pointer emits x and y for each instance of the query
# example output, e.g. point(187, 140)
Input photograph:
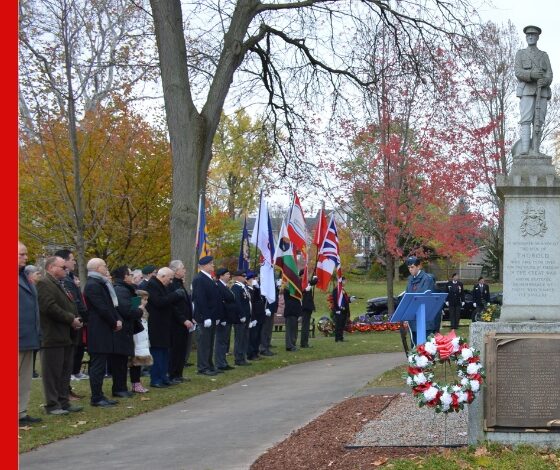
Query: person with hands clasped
point(59, 324)
point(206, 300)
point(243, 311)
point(258, 315)
point(161, 302)
point(481, 298)
point(455, 300)
point(307, 309)
point(104, 320)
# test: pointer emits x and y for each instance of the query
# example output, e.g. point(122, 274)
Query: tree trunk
point(390, 264)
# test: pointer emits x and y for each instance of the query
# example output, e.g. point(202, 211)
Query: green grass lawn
point(495, 457)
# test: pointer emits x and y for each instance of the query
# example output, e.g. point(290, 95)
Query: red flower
point(473, 359)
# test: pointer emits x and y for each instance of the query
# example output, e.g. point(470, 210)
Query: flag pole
point(318, 248)
point(257, 226)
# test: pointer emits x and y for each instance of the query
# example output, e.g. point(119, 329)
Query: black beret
point(222, 271)
point(205, 260)
point(240, 272)
point(148, 269)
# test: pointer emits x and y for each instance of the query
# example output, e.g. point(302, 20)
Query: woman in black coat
point(123, 339)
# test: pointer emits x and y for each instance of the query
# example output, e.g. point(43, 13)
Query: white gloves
point(223, 323)
point(462, 304)
point(308, 288)
point(474, 304)
point(267, 312)
point(217, 322)
point(337, 312)
point(242, 319)
point(207, 323)
point(352, 298)
point(252, 323)
point(447, 303)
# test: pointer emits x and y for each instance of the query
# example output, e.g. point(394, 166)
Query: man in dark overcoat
point(59, 323)
point(258, 315)
point(292, 311)
point(206, 301)
point(307, 309)
point(160, 306)
point(181, 324)
point(243, 310)
point(104, 321)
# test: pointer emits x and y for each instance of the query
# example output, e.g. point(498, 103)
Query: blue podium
point(421, 307)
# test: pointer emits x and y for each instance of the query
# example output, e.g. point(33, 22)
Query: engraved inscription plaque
point(523, 381)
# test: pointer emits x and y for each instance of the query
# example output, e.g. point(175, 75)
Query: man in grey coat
point(29, 336)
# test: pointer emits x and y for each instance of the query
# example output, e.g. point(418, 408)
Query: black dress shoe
point(218, 370)
point(123, 394)
point(291, 349)
point(228, 367)
point(207, 372)
point(245, 363)
point(159, 385)
point(29, 420)
point(268, 353)
point(175, 381)
point(306, 346)
point(104, 403)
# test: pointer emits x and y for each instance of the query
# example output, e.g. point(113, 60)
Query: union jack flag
point(329, 257)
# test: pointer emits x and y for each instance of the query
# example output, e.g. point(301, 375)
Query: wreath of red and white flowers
point(445, 398)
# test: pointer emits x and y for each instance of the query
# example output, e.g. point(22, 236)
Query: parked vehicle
point(377, 306)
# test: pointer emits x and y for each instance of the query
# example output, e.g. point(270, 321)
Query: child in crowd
point(142, 355)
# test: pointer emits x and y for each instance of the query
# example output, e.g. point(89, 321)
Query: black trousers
point(178, 351)
point(79, 350)
point(454, 315)
point(119, 370)
point(339, 324)
point(135, 373)
point(97, 366)
point(291, 332)
point(254, 340)
point(305, 323)
point(223, 334)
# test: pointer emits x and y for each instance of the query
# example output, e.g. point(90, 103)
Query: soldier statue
point(534, 75)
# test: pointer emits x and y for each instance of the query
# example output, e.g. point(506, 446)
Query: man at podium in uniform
point(420, 281)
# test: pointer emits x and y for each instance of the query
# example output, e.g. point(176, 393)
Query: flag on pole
point(286, 261)
point(320, 229)
point(329, 257)
point(268, 286)
point(297, 229)
point(202, 246)
point(262, 237)
point(244, 256)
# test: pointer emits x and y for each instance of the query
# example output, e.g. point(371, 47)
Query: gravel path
point(404, 423)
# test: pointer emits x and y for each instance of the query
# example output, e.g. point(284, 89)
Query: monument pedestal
point(520, 400)
point(531, 194)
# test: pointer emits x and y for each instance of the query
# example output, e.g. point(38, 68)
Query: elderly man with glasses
point(59, 320)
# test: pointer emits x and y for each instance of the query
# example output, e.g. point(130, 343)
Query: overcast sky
point(542, 13)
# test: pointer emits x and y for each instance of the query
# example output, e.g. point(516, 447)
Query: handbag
point(137, 326)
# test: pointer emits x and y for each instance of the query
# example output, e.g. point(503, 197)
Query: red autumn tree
point(407, 173)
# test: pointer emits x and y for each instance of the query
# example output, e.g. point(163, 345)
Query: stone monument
point(524, 346)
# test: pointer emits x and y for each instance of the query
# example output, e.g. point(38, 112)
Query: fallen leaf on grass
point(82, 422)
point(480, 451)
point(129, 407)
point(144, 399)
point(25, 428)
point(379, 462)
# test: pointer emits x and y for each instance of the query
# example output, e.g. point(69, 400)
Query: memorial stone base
point(520, 399)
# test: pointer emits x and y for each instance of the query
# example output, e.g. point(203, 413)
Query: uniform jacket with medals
point(481, 296)
point(228, 307)
point(455, 293)
point(206, 298)
point(242, 301)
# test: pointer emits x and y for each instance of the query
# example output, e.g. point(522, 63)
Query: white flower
point(473, 368)
point(421, 361)
point(475, 385)
point(464, 381)
point(462, 397)
point(455, 343)
point(420, 378)
point(430, 347)
point(466, 353)
point(409, 381)
point(412, 358)
point(446, 399)
point(430, 394)
point(456, 388)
